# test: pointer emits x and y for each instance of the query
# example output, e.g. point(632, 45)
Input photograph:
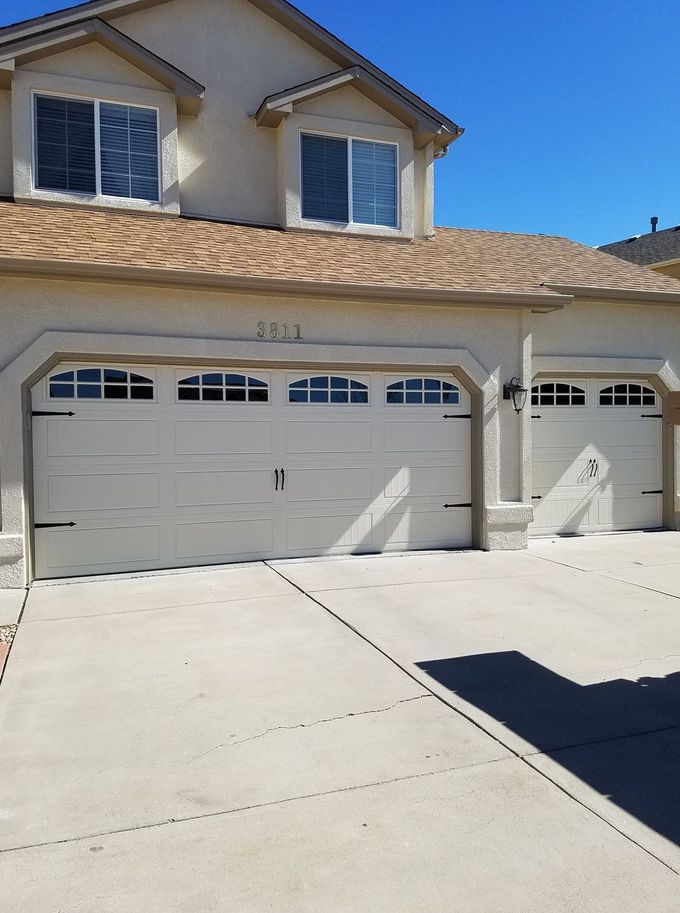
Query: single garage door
point(597, 456)
point(162, 466)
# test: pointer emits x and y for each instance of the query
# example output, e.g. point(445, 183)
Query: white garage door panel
point(593, 460)
point(630, 432)
point(563, 472)
point(231, 537)
point(559, 432)
point(201, 438)
point(329, 533)
point(328, 437)
point(428, 529)
point(103, 491)
point(424, 482)
point(621, 512)
point(232, 486)
point(329, 484)
point(442, 436)
point(175, 482)
point(626, 472)
point(92, 438)
point(94, 548)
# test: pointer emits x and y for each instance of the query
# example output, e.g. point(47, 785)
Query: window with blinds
point(68, 158)
point(349, 180)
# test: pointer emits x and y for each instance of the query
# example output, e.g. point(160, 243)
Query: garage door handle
point(276, 473)
point(283, 480)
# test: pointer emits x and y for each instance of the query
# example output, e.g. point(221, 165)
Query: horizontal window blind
point(66, 148)
point(374, 183)
point(129, 152)
point(325, 193)
point(65, 145)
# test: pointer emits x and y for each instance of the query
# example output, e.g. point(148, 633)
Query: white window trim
point(402, 380)
point(350, 138)
point(238, 404)
point(37, 93)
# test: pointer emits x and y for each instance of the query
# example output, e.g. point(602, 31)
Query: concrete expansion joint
point(332, 719)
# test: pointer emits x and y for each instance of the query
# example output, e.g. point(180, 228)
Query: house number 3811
point(278, 331)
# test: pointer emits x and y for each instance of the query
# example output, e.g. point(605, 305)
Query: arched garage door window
point(100, 383)
point(557, 394)
point(627, 395)
point(215, 387)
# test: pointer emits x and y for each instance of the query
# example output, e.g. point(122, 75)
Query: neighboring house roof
point(474, 267)
point(275, 108)
point(189, 92)
point(652, 249)
point(280, 10)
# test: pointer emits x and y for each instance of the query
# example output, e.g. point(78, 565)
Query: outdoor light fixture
point(517, 393)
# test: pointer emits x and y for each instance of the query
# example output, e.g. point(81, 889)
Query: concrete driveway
point(453, 732)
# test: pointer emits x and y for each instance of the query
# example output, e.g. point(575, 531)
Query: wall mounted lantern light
point(517, 393)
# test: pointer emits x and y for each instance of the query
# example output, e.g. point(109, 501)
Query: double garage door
point(148, 467)
point(597, 456)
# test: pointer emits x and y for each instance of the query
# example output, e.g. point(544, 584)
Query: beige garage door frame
point(53, 347)
point(655, 372)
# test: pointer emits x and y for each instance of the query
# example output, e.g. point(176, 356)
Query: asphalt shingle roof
point(456, 260)
point(645, 250)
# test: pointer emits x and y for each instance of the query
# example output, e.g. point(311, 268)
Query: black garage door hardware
point(657, 492)
point(52, 413)
point(651, 416)
point(537, 416)
point(52, 525)
point(457, 416)
point(447, 506)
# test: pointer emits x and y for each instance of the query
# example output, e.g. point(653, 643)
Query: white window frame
point(350, 138)
point(37, 93)
point(143, 370)
point(237, 404)
point(401, 379)
point(358, 378)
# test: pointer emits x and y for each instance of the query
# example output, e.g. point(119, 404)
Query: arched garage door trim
point(54, 347)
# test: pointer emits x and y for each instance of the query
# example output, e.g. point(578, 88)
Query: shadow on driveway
point(572, 721)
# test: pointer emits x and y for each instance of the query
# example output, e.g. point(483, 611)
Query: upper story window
point(349, 180)
point(96, 147)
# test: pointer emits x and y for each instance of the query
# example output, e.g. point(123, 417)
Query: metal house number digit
point(279, 331)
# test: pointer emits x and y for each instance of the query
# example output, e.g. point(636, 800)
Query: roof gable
point(280, 10)
point(189, 92)
point(275, 108)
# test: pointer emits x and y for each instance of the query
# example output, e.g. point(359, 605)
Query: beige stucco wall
point(672, 269)
point(227, 165)
point(32, 307)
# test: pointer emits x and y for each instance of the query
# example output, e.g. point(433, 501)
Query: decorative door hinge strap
point(537, 497)
point(651, 416)
point(447, 506)
point(52, 525)
point(52, 413)
point(537, 416)
point(457, 416)
point(658, 491)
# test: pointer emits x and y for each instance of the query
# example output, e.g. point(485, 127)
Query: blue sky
point(570, 109)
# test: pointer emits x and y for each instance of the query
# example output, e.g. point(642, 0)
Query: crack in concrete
point(331, 719)
point(648, 659)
